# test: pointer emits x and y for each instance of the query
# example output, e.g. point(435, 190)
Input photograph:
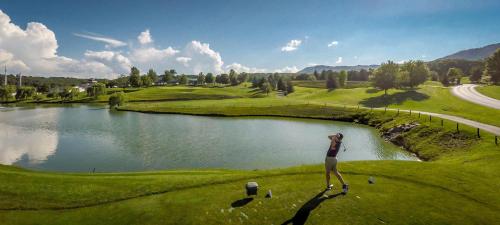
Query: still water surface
point(83, 137)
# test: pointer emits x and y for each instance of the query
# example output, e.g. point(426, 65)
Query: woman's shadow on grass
point(301, 216)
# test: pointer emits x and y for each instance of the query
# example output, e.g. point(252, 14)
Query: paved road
point(467, 92)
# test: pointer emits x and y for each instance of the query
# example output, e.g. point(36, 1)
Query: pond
point(84, 137)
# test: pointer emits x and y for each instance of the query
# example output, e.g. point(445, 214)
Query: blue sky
point(251, 35)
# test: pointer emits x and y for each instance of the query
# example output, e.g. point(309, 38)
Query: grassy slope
point(457, 187)
point(414, 195)
point(427, 98)
point(491, 91)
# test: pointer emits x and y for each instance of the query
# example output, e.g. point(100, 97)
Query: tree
point(23, 93)
point(316, 75)
point(168, 76)
point(493, 67)
point(282, 84)
point(201, 79)
point(152, 75)
point(454, 74)
point(418, 73)
point(322, 75)
point(342, 78)
point(442, 66)
point(64, 94)
point(261, 82)
point(266, 87)
point(311, 77)
point(475, 74)
point(233, 77)
point(243, 77)
point(117, 99)
point(183, 80)
point(331, 81)
point(444, 79)
point(364, 75)
point(289, 87)
point(434, 75)
point(255, 82)
point(210, 78)
point(385, 76)
point(96, 90)
point(146, 81)
point(224, 79)
point(135, 77)
point(173, 72)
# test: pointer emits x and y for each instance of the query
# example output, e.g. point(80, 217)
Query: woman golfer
point(331, 161)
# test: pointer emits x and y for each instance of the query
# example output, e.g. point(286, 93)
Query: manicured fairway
point(490, 91)
point(457, 185)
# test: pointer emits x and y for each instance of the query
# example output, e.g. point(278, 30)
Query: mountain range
point(320, 68)
point(473, 54)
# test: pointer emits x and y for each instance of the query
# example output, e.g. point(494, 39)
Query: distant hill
point(474, 54)
point(320, 68)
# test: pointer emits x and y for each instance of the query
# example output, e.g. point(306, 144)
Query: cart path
point(469, 93)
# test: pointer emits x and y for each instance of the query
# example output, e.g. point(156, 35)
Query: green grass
point(170, 93)
point(431, 98)
point(322, 84)
point(457, 185)
point(490, 91)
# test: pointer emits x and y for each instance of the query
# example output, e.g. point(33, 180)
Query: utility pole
point(20, 80)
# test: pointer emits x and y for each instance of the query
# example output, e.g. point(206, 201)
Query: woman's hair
point(340, 135)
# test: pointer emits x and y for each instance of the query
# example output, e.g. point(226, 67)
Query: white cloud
point(312, 64)
point(151, 54)
point(7, 59)
point(203, 58)
point(110, 42)
point(183, 60)
point(241, 68)
point(287, 69)
point(34, 49)
point(114, 60)
point(291, 45)
point(339, 60)
point(333, 44)
point(145, 37)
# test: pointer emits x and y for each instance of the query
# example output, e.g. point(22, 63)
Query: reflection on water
point(81, 138)
point(24, 143)
point(16, 143)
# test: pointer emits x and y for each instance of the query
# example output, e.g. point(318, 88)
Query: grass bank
point(490, 91)
point(456, 185)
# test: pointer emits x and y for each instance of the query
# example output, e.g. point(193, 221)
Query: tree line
point(273, 82)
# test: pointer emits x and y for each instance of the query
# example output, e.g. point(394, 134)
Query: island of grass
point(455, 184)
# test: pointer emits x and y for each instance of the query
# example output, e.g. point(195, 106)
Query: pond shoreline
point(381, 132)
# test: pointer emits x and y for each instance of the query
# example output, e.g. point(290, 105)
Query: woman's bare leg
point(327, 173)
point(337, 174)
